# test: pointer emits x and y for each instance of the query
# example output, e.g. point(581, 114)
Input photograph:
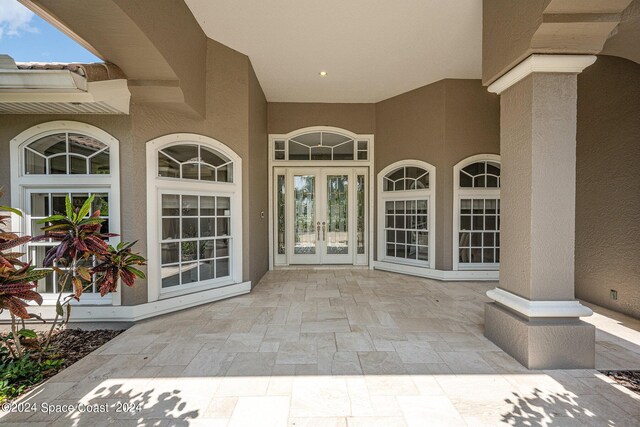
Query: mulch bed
point(74, 344)
point(629, 379)
point(71, 345)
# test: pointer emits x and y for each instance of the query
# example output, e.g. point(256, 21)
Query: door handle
point(324, 231)
point(318, 230)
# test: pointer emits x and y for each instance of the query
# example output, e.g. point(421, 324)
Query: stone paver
point(334, 347)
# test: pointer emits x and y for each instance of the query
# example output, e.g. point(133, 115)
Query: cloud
point(15, 19)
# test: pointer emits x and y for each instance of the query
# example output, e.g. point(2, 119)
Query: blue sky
point(28, 38)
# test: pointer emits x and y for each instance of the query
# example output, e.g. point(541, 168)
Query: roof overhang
point(60, 92)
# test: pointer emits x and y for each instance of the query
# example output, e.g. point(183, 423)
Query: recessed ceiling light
point(323, 73)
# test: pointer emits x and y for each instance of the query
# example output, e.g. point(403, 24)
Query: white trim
point(532, 309)
point(429, 194)
point(23, 87)
point(369, 163)
point(45, 80)
point(157, 185)
point(22, 183)
point(538, 63)
point(444, 275)
point(135, 313)
point(458, 193)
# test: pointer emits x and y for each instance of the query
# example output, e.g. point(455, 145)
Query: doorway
point(321, 215)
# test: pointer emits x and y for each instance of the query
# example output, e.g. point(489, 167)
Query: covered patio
point(336, 347)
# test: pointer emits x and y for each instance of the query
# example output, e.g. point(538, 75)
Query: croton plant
point(81, 258)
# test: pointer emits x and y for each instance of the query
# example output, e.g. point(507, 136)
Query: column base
point(543, 343)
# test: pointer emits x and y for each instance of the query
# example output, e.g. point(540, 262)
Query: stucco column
point(534, 316)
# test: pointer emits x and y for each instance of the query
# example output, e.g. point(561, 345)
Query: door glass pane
point(337, 237)
point(305, 214)
point(360, 198)
point(281, 215)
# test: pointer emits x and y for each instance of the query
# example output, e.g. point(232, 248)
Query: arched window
point(194, 209)
point(406, 219)
point(57, 159)
point(321, 145)
point(476, 218)
point(194, 161)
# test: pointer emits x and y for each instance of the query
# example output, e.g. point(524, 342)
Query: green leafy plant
point(18, 281)
point(80, 242)
point(17, 374)
point(24, 356)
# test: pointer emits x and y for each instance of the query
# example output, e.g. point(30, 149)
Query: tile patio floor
point(343, 347)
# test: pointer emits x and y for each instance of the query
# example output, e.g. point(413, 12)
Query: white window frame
point(277, 260)
point(156, 186)
point(428, 194)
point(474, 193)
point(23, 184)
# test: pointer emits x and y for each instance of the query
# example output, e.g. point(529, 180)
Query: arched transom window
point(406, 178)
point(195, 240)
point(194, 161)
point(321, 145)
point(483, 174)
point(477, 213)
point(406, 219)
point(66, 153)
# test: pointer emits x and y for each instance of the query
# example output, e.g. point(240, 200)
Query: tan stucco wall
point(285, 117)
point(608, 185)
point(507, 29)
point(441, 124)
point(258, 181)
point(235, 110)
point(514, 29)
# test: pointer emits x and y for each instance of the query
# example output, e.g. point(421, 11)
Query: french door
point(325, 211)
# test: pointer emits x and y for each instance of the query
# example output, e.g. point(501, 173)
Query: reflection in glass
point(207, 270)
point(304, 214)
point(480, 216)
point(66, 154)
point(337, 237)
point(167, 167)
point(194, 161)
point(170, 275)
point(34, 163)
point(281, 213)
point(360, 219)
point(58, 165)
point(407, 229)
point(190, 247)
point(169, 253)
point(189, 273)
point(170, 205)
point(222, 267)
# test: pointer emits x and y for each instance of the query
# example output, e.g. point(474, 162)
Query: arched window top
point(65, 148)
point(66, 153)
point(480, 174)
point(321, 144)
point(406, 178)
point(194, 161)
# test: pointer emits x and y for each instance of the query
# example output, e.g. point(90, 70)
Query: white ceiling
point(371, 49)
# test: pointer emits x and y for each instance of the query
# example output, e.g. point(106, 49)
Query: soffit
point(371, 50)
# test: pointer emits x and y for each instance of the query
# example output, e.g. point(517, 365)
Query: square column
point(534, 316)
